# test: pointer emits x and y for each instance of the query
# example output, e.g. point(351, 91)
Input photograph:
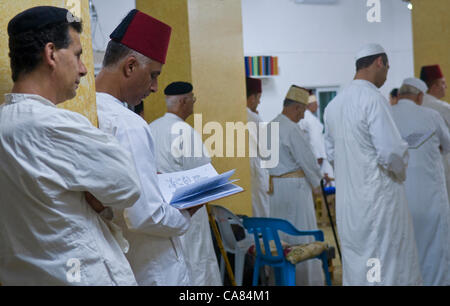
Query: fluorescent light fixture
point(316, 1)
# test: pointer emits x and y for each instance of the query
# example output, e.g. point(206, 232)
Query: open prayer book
point(415, 140)
point(185, 189)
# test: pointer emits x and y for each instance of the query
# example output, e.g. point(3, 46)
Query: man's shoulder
point(118, 114)
point(165, 122)
point(429, 100)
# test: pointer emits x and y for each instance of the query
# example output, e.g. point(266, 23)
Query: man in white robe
point(425, 181)
point(50, 160)
point(293, 180)
point(174, 154)
point(132, 64)
point(370, 160)
point(435, 80)
point(259, 175)
point(313, 129)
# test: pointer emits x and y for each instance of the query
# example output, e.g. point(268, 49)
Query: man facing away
point(174, 154)
point(294, 178)
point(434, 78)
point(370, 159)
point(260, 176)
point(425, 181)
point(133, 61)
point(313, 129)
point(50, 159)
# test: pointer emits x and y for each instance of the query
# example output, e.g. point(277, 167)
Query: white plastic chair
point(225, 219)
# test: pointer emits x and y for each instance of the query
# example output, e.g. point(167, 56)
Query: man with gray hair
point(293, 180)
point(425, 180)
point(133, 61)
point(179, 147)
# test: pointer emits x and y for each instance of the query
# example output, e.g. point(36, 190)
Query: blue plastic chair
point(267, 229)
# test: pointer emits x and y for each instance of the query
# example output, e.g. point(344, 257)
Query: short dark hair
point(365, 62)
point(25, 49)
point(139, 108)
point(394, 92)
point(116, 52)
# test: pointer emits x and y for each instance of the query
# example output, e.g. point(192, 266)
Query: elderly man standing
point(293, 179)
point(260, 176)
point(313, 129)
point(425, 181)
point(435, 80)
point(174, 155)
point(370, 159)
point(132, 64)
point(52, 160)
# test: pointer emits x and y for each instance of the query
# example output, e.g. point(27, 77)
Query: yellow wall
point(206, 48)
point(84, 102)
point(178, 61)
point(431, 35)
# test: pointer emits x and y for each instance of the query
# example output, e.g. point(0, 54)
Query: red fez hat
point(253, 86)
point(431, 73)
point(144, 34)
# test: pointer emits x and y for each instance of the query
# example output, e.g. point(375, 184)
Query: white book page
point(208, 196)
point(169, 182)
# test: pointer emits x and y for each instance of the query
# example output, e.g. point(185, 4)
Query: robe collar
point(12, 98)
point(112, 98)
point(365, 84)
point(173, 116)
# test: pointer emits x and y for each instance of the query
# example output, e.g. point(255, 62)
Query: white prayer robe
point(260, 176)
point(426, 189)
point(313, 129)
point(152, 227)
point(292, 197)
point(49, 158)
point(443, 108)
point(197, 242)
point(373, 218)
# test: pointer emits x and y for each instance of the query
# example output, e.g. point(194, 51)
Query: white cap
point(416, 83)
point(368, 50)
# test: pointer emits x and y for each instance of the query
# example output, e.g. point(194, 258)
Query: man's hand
point(95, 204)
point(194, 209)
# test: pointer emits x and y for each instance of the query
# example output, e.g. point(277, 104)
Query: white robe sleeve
point(392, 150)
point(150, 214)
point(443, 133)
point(329, 142)
point(304, 157)
point(86, 159)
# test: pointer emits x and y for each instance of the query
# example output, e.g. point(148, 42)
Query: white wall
point(110, 14)
point(316, 44)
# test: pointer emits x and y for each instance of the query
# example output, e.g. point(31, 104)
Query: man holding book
point(133, 61)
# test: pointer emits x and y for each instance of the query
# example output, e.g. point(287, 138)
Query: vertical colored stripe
point(246, 66)
point(260, 65)
point(275, 65)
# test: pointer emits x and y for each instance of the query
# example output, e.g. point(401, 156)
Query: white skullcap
point(416, 83)
point(368, 50)
point(312, 99)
